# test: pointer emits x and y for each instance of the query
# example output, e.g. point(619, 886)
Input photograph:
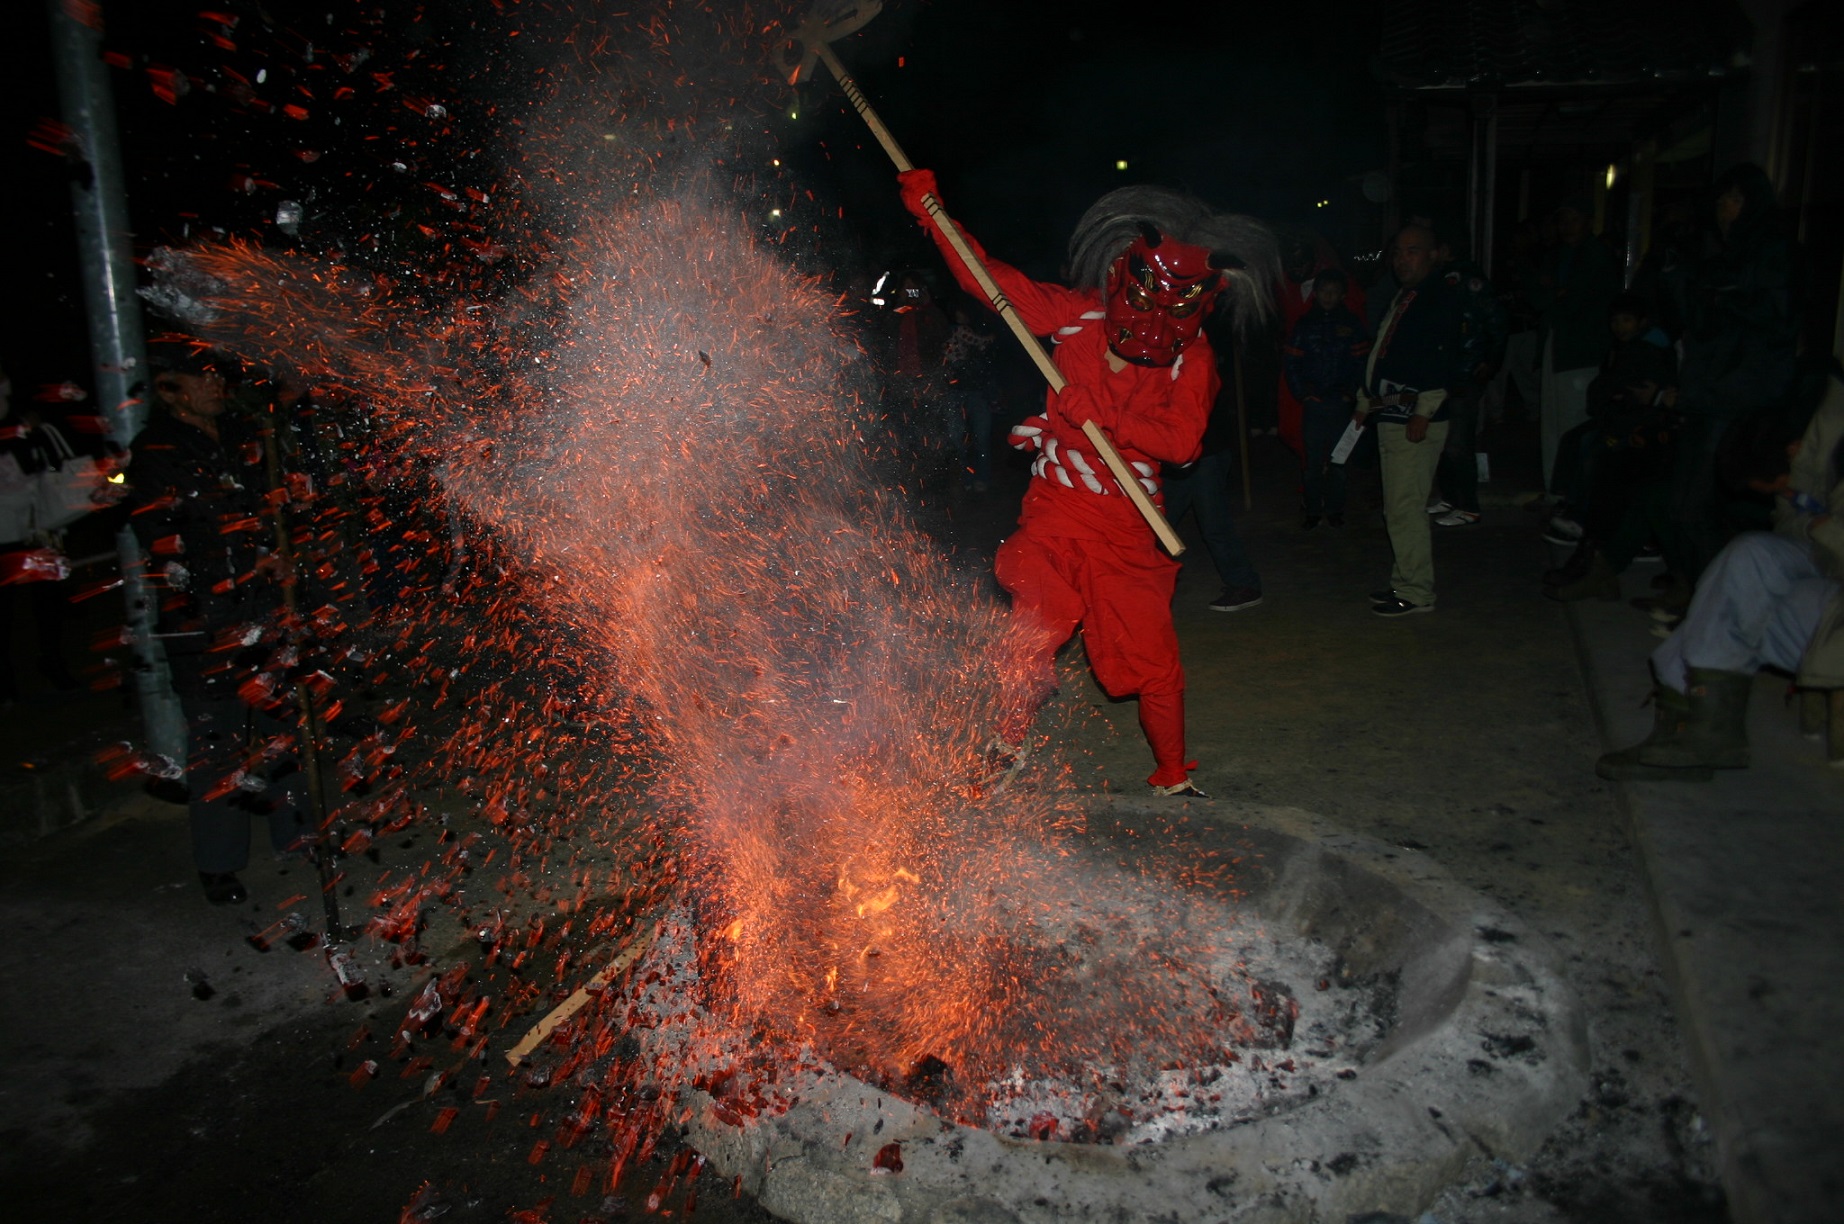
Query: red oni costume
point(1082, 555)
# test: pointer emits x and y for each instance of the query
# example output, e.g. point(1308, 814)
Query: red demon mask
point(1157, 296)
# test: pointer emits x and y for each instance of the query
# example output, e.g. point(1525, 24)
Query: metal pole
point(99, 199)
point(1475, 130)
point(99, 202)
point(1489, 227)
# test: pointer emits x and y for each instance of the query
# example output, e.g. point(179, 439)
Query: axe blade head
point(825, 23)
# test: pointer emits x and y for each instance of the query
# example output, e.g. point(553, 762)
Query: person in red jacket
point(1150, 265)
point(1307, 256)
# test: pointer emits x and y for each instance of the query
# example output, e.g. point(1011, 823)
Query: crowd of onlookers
point(1666, 401)
point(1676, 424)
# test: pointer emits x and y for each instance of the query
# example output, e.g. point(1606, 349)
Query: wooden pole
point(311, 730)
point(635, 949)
point(1129, 483)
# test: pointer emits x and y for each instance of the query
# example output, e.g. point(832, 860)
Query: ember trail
point(692, 496)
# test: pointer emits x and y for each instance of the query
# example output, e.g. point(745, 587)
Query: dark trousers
point(1578, 454)
point(221, 733)
point(1205, 488)
point(1322, 482)
point(1457, 473)
point(48, 603)
point(1696, 510)
point(1615, 479)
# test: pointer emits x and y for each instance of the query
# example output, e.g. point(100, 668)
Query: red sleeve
point(1169, 427)
point(1043, 307)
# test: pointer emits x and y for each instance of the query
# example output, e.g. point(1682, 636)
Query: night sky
point(1023, 109)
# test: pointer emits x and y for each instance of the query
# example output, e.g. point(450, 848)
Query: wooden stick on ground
point(636, 947)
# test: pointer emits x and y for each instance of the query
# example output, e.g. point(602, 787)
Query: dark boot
point(1715, 734)
point(1598, 581)
point(1670, 714)
point(1575, 567)
point(1672, 598)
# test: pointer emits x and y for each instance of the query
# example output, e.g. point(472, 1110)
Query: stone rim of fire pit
point(1488, 1054)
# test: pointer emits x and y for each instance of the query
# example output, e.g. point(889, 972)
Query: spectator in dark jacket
point(1607, 466)
point(1406, 379)
point(1579, 277)
point(1324, 367)
point(1482, 351)
point(1741, 333)
point(197, 503)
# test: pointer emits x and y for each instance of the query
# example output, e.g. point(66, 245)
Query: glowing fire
point(705, 635)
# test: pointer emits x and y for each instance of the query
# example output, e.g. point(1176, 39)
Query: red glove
point(914, 185)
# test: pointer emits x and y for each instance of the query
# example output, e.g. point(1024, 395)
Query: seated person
point(1769, 599)
point(1601, 464)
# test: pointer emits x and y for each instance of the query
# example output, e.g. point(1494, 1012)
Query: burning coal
point(700, 629)
point(686, 476)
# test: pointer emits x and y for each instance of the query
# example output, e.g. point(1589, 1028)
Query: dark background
point(1024, 110)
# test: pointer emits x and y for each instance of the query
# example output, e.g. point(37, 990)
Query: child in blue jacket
point(1324, 364)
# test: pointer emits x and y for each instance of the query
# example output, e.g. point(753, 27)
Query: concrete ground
point(156, 1066)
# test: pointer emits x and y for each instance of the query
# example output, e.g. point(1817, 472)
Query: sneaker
point(1309, 522)
point(1383, 596)
point(1394, 606)
point(1234, 599)
point(1457, 518)
point(223, 888)
point(1563, 530)
point(1651, 554)
point(1186, 789)
point(1439, 507)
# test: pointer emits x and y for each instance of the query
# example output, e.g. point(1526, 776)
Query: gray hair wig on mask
point(1242, 247)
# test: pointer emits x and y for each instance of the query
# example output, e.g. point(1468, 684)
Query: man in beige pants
point(1405, 390)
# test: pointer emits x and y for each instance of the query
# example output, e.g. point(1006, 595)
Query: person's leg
point(1458, 466)
point(1575, 396)
point(1314, 454)
point(1575, 457)
point(216, 735)
point(1526, 370)
point(1549, 412)
point(1647, 518)
point(1610, 482)
point(283, 799)
point(1336, 488)
point(1177, 488)
point(1046, 608)
point(1324, 424)
point(1408, 474)
point(1758, 603)
point(1216, 519)
point(1133, 648)
point(1695, 524)
point(50, 608)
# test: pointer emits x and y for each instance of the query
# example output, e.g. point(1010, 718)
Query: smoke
point(664, 437)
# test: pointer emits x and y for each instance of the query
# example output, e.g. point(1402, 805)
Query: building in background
point(1500, 109)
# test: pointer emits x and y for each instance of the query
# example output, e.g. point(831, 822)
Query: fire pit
point(1394, 1025)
